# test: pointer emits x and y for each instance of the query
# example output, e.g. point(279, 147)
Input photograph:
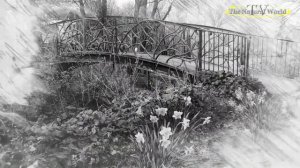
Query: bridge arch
point(186, 47)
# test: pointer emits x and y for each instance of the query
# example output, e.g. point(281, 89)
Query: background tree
point(102, 10)
point(83, 15)
point(168, 11)
point(154, 9)
point(140, 8)
point(158, 6)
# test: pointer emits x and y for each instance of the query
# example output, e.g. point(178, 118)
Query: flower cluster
point(250, 95)
point(239, 108)
point(177, 115)
point(239, 94)
point(188, 100)
point(165, 132)
point(153, 118)
point(206, 120)
point(189, 150)
point(139, 111)
point(139, 138)
point(261, 97)
point(249, 100)
point(231, 103)
point(161, 111)
point(185, 123)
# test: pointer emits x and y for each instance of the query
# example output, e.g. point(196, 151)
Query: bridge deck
point(163, 62)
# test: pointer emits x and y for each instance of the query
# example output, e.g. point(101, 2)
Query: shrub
point(224, 84)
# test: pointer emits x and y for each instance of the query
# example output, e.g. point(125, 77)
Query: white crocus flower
point(139, 137)
point(188, 100)
point(250, 95)
point(165, 132)
point(252, 103)
point(161, 111)
point(231, 103)
point(189, 150)
point(113, 152)
point(139, 111)
point(260, 99)
point(153, 119)
point(34, 165)
point(177, 115)
point(206, 120)
point(165, 143)
point(239, 108)
point(185, 123)
point(239, 94)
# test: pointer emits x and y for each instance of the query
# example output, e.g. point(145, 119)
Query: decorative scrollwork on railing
point(207, 48)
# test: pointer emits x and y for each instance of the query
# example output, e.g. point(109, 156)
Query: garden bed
point(95, 117)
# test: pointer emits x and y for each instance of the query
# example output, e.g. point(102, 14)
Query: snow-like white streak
point(268, 149)
point(212, 13)
point(18, 45)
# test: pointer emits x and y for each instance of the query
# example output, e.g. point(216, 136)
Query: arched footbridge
point(170, 47)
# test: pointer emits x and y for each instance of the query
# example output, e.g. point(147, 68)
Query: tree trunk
point(83, 15)
point(102, 10)
point(99, 7)
point(154, 9)
point(140, 8)
point(137, 8)
point(81, 7)
point(143, 8)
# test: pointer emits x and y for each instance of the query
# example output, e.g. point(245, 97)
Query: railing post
point(116, 50)
point(247, 56)
point(200, 54)
point(56, 45)
point(184, 39)
point(189, 44)
point(148, 80)
point(84, 33)
point(134, 36)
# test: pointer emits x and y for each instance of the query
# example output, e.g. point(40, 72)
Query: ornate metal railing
point(277, 56)
point(198, 47)
point(203, 47)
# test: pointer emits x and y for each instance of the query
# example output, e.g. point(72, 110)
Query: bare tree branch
point(168, 11)
point(154, 9)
